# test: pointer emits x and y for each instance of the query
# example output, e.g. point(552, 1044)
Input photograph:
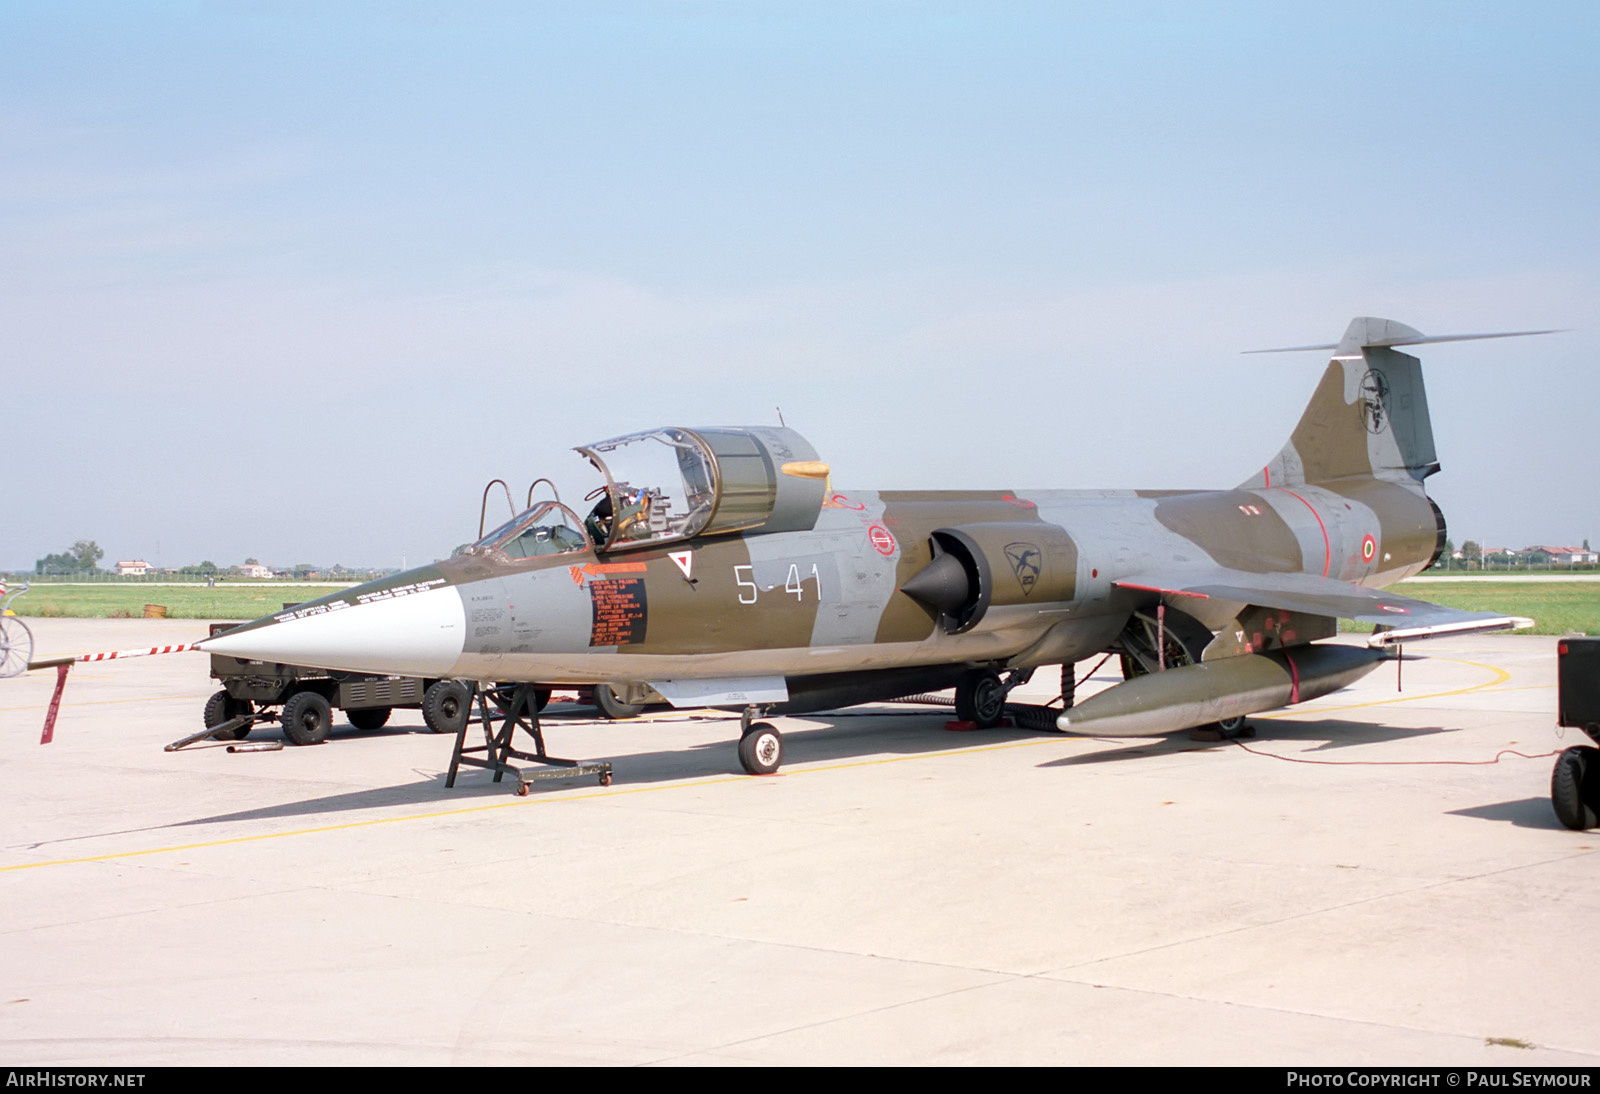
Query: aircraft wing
point(1401, 617)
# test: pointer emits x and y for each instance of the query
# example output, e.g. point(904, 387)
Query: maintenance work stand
point(518, 708)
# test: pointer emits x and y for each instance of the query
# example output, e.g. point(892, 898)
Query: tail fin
point(1369, 415)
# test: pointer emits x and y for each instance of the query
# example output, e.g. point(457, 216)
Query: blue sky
point(293, 280)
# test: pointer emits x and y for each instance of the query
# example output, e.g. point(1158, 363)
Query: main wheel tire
point(761, 749)
point(368, 717)
point(446, 706)
point(306, 717)
point(606, 701)
point(223, 707)
point(1575, 787)
point(981, 699)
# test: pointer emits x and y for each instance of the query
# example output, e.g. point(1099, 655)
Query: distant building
point(1566, 556)
point(136, 568)
point(256, 570)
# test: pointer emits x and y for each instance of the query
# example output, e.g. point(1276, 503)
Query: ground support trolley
point(1575, 782)
point(306, 698)
point(518, 707)
point(233, 729)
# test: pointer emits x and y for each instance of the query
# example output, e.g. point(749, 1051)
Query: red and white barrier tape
point(114, 654)
point(62, 664)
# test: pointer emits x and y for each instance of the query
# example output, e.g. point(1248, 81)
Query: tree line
point(83, 558)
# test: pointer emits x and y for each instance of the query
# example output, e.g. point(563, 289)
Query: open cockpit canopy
point(665, 485)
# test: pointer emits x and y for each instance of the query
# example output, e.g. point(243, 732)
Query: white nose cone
point(417, 635)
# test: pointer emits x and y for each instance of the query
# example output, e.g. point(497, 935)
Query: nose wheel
point(761, 749)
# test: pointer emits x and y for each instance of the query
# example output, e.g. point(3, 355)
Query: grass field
point(181, 601)
point(1556, 607)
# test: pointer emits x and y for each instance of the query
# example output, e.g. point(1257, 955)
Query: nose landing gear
point(760, 744)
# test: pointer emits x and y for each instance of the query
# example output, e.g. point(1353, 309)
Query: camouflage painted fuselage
point(872, 585)
point(828, 600)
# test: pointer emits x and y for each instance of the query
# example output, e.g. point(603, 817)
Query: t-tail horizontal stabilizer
point(1368, 418)
point(1367, 332)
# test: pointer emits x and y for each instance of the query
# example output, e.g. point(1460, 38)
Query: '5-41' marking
point(750, 592)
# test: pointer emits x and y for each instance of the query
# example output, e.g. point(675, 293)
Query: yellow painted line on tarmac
point(1499, 676)
point(1030, 742)
point(40, 707)
point(466, 810)
point(354, 824)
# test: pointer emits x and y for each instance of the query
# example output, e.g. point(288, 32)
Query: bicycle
point(16, 640)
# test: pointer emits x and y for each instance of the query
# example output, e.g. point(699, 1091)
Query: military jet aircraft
point(719, 567)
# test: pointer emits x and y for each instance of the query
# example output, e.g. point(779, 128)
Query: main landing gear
point(981, 696)
point(1172, 639)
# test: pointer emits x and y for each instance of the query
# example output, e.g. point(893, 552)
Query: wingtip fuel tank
point(1216, 691)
